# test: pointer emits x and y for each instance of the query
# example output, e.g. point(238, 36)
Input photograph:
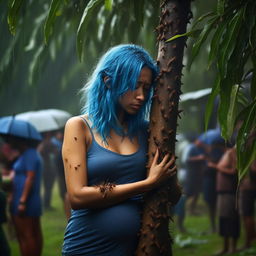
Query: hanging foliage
point(231, 30)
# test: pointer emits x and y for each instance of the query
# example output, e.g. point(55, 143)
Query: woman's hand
point(21, 208)
point(160, 172)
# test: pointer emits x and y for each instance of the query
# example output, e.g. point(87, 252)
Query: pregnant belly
point(119, 222)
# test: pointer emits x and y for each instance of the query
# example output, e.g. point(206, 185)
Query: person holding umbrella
point(25, 205)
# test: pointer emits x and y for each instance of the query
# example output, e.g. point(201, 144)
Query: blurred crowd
point(208, 172)
point(207, 169)
point(28, 173)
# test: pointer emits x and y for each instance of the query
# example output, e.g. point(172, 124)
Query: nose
point(140, 93)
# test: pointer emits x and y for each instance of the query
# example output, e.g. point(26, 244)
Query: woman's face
point(133, 100)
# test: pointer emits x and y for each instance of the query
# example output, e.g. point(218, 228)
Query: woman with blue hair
point(104, 154)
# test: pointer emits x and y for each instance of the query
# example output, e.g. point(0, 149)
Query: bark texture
point(155, 239)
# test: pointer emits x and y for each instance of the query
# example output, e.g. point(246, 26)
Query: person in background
point(49, 153)
point(227, 181)
point(104, 154)
point(214, 147)
point(57, 140)
point(4, 246)
point(194, 162)
point(247, 200)
point(25, 205)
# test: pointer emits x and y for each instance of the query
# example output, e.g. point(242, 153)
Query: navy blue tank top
point(112, 230)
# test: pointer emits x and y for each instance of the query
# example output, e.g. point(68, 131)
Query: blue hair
point(117, 72)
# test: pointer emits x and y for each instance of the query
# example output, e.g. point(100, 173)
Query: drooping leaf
point(221, 7)
point(232, 113)
point(48, 27)
point(201, 18)
point(192, 33)
point(202, 37)
point(246, 153)
point(224, 104)
point(34, 63)
point(108, 4)
point(13, 15)
point(210, 102)
point(253, 82)
point(86, 17)
point(229, 42)
point(215, 42)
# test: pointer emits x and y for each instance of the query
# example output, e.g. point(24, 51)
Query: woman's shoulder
point(77, 122)
point(77, 125)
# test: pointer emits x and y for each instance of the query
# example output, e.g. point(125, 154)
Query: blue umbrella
point(9, 126)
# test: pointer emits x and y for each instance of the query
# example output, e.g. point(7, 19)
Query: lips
point(136, 106)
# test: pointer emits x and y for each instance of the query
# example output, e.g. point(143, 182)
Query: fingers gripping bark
point(161, 171)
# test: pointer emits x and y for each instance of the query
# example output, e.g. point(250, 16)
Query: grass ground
point(196, 242)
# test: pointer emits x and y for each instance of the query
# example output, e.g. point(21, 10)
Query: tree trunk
point(155, 239)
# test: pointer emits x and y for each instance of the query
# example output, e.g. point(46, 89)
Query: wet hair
point(117, 72)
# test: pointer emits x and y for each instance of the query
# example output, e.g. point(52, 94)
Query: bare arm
point(76, 138)
point(227, 163)
point(27, 187)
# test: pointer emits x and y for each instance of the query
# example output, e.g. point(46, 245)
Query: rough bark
point(155, 239)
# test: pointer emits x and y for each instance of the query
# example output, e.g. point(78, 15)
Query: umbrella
point(45, 120)
point(10, 126)
point(195, 95)
point(59, 115)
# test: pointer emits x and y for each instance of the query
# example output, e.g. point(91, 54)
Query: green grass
point(196, 242)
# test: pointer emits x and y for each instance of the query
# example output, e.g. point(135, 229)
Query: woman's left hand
point(21, 208)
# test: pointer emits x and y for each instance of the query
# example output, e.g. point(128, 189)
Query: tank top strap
point(88, 125)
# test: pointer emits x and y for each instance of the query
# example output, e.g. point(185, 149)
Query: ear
point(106, 81)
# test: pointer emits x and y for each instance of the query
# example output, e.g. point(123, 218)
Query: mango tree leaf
point(225, 92)
point(86, 17)
point(192, 33)
point(246, 154)
point(201, 18)
point(253, 82)
point(215, 42)
point(220, 7)
point(108, 4)
point(210, 102)
point(33, 64)
point(230, 41)
point(13, 15)
point(231, 117)
point(48, 27)
point(202, 37)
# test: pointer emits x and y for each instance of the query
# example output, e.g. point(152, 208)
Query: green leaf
point(221, 7)
point(229, 42)
point(201, 18)
point(34, 63)
point(215, 43)
point(139, 11)
point(253, 82)
point(13, 15)
point(81, 32)
point(224, 104)
point(192, 33)
point(48, 27)
point(246, 153)
point(231, 117)
point(210, 102)
point(202, 37)
point(108, 4)
point(242, 99)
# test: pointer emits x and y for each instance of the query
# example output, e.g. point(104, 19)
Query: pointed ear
point(106, 81)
